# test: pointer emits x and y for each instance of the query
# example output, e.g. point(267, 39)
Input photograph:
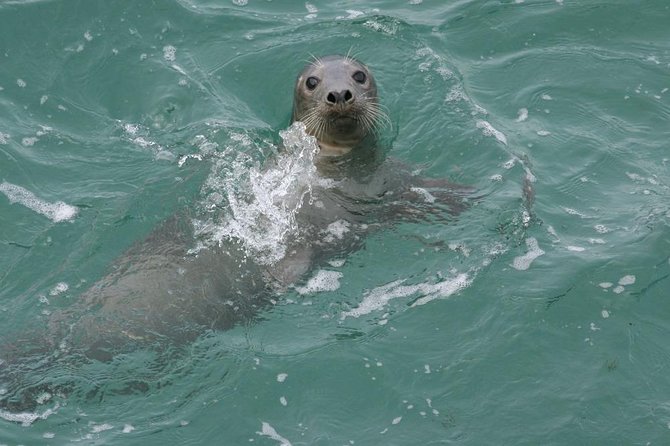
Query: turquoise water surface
point(537, 317)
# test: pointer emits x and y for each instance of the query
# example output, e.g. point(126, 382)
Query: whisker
point(316, 61)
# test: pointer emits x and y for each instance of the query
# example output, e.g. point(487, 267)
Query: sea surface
point(539, 315)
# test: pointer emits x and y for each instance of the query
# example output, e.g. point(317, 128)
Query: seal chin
point(345, 124)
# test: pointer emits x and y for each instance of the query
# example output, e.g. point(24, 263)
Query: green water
point(559, 334)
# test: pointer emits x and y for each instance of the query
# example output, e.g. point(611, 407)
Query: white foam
point(396, 420)
point(605, 285)
point(523, 262)
point(427, 196)
point(88, 36)
point(489, 130)
point(56, 212)
point(131, 129)
point(442, 289)
point(601, 229)
point(353, 14)
point(21, 83)
point(4, 137)
point(27, 418)
point(456, 94)
point(128, 428)
point(144, 143)
point(605, 314)
point(546, 97)
point(169, 53)
point(576, 248)
point(336, 230)
point(29, 141)
point(522, 115)
point(240, 2)
point(377, 298)
point(627, 280)
point(323, 280)
point(386, 28)
point(133, 132)
point(281, 377)
point(573, 212)
point(97, 428)
point(444, 72)
point(269, 431)
point(282, 401)
point(543, 133)
point(59, 288)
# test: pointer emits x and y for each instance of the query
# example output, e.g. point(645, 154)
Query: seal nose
point(339, 97)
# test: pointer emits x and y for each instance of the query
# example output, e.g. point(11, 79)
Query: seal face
point(336, 98)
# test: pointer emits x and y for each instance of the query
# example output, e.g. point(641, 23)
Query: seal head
point(336, 98)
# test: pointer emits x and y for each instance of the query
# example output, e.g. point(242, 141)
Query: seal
point(158, 294)
point(336, 98)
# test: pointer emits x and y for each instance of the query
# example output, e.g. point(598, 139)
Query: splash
point(260, 203)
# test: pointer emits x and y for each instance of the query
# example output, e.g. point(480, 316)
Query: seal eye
point(359, 77)
point(311, 83)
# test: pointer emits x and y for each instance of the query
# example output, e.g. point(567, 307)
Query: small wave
point(56, 212)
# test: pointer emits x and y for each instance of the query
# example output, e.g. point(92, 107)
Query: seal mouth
point(345, 119)
point(344, 124)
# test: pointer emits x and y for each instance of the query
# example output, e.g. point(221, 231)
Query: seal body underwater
point(159, 293)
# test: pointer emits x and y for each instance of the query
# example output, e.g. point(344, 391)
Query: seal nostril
point(343, 96)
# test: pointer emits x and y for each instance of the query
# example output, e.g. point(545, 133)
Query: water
point(510, 324)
